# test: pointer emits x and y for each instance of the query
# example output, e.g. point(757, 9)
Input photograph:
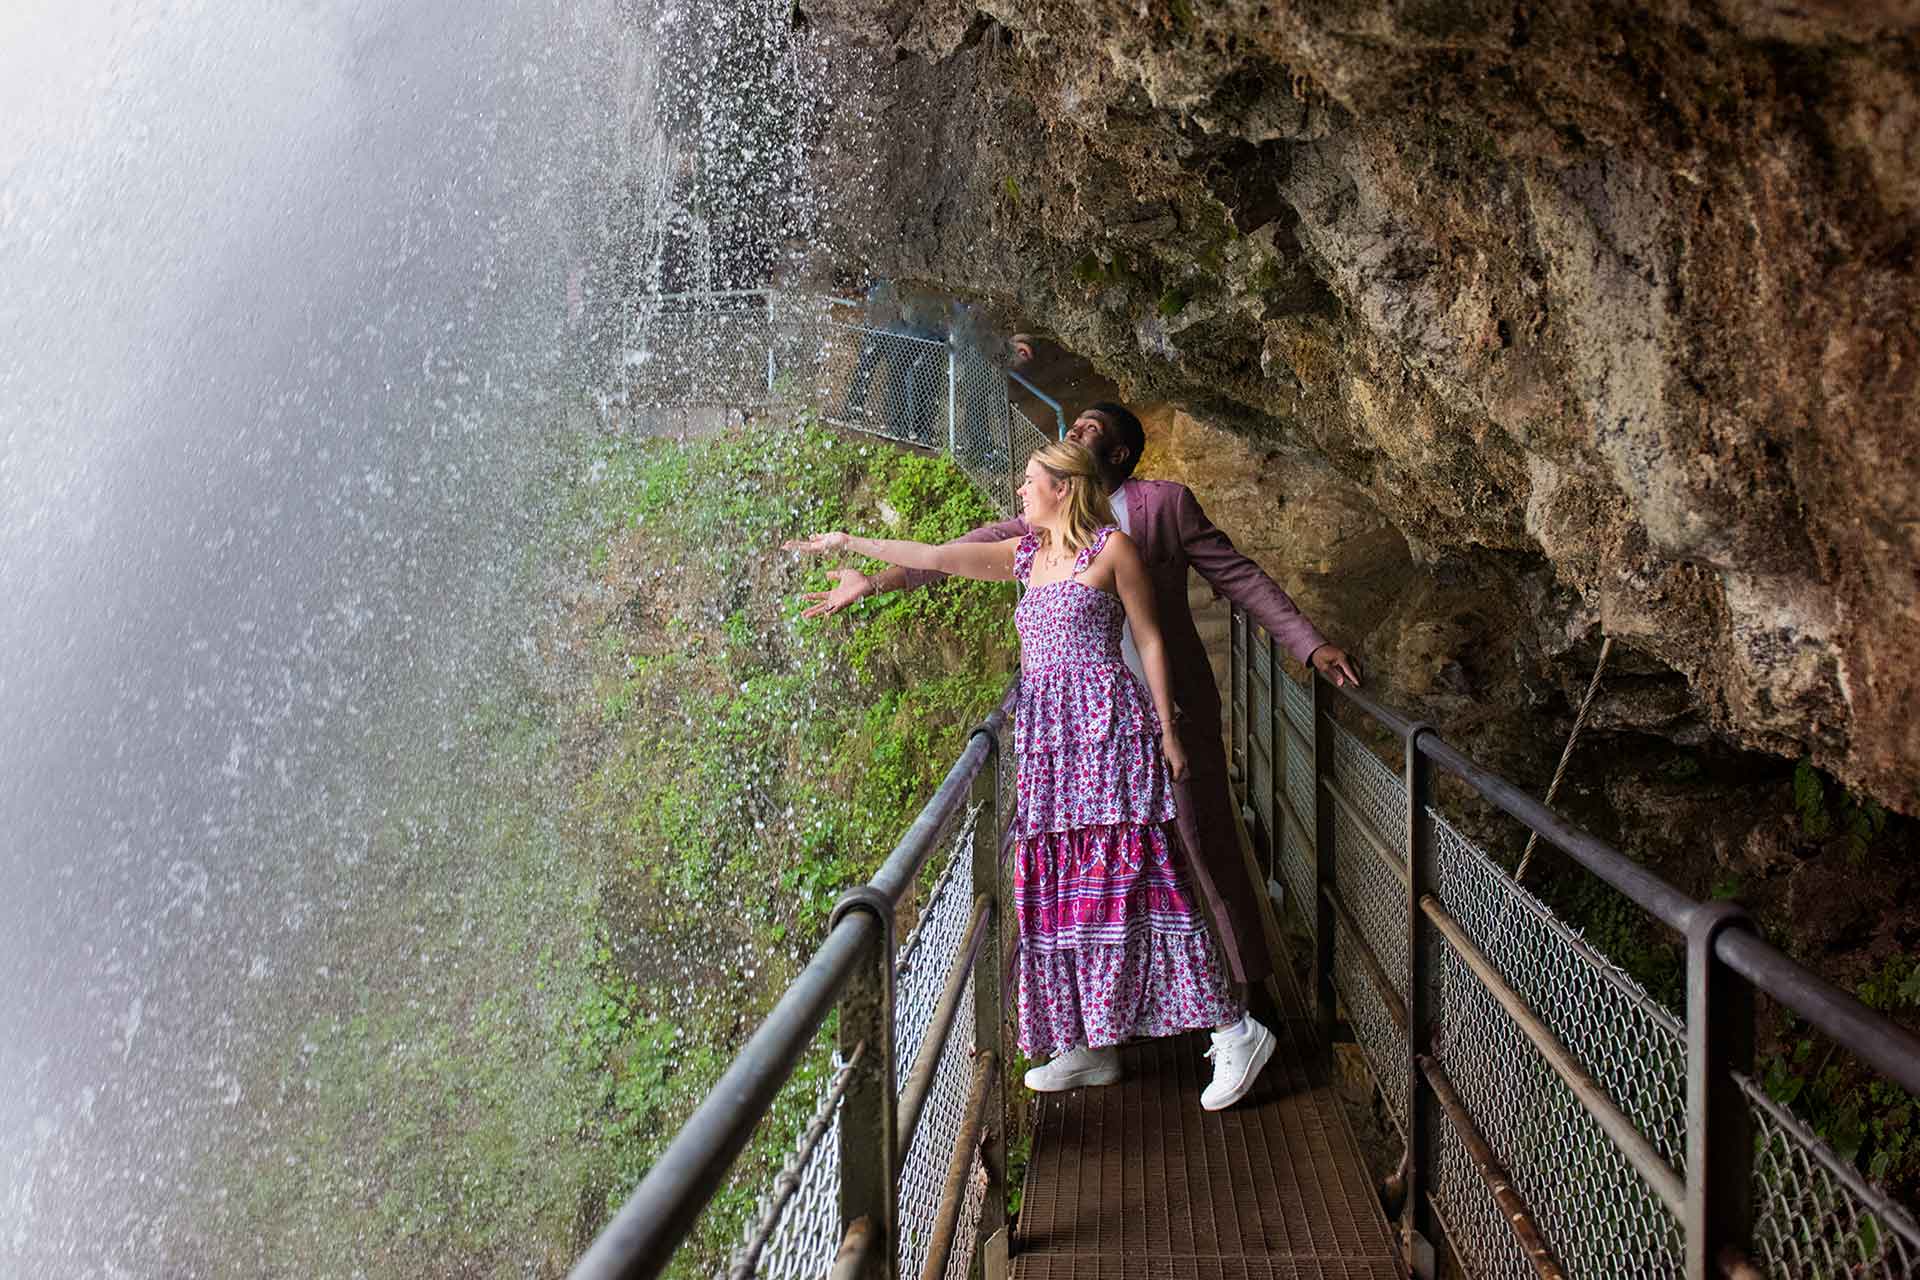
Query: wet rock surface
point(1540, 322)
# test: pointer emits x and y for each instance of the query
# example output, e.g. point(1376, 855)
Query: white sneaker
point(1238, 1056)
point(1076, 1067)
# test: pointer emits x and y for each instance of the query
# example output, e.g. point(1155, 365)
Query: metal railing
point(902, 1169)
point(753, 348)
point(1557, 1119)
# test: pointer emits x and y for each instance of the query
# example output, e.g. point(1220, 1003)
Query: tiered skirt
point(1113, 944)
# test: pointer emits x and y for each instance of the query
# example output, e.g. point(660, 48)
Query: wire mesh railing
point(757, 348)
point(900, 1169)
point(1558, 1119)
point(797, 1231)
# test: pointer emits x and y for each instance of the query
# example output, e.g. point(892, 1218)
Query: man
point(1172, 533)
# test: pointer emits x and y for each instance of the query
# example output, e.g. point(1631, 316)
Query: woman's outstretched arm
point(1136, 594)
point(986, 561)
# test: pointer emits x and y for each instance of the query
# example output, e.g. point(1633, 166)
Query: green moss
point(499, 1056)
point(1172, 302)
point(1861, 819)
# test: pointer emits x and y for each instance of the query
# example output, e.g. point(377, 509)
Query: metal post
point(1418, 1236)
point(953, 404)
point(988, 1019)
point(1237, 695)
point(1277, 755)
point(1719, 1205)
point(868, 1115)
point(1324, 1001)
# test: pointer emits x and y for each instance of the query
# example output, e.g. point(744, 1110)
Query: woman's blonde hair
point(1088, 509)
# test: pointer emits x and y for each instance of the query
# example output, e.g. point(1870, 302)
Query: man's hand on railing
point(849, 585)
point(1331, 661)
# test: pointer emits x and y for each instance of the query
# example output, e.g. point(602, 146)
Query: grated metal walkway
point(1134, 1181)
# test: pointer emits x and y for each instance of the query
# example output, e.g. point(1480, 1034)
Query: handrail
point(1059, 414)
point(1877, 1039)
point(913, 1095)
point(1889, 1047)
point(1647, 890)
point(1711, 1195)
point(662, 1210)
point(918, 844)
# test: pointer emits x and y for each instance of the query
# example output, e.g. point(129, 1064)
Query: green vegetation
point(1172, 303)
point(1621, 931)
point(1860, 818)
point(1866, 1120)
point(593, 897)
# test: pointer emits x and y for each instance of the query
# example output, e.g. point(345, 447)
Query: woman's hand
point(849, 585)
point(1176, 754)
point(818, 544)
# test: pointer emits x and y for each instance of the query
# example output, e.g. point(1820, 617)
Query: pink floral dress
point(1113, 945)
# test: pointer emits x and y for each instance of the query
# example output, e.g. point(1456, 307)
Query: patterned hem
point(1153, 985)
point(1100, 886)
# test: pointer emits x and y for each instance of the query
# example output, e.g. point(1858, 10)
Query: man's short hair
point(1131, 433)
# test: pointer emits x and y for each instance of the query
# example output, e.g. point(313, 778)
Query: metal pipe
point(869, 1171)
point(946, 1219)
point(663, 1208)
point(1512, 1207)
point(1059, 414)
point(1396, 1008)
point(1666, 903)
point(1325, 847)
point(918, 844)
point(1373, 839)
point(1419, 1223)
point(913, 1095)
point(1887, 1047)
point(1591, 1095)
point(1399, 724)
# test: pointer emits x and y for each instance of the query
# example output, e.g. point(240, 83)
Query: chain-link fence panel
point(1814, 1216)
point(891, 384)
point(965, 1236)
point(799, 1239)
point(701, 351)
point(981, 424)
point(1260, 738)
point(1296, 850)
point(1377, 901)
point(1027, 438)
point(926, 960)
point(1592, 1205)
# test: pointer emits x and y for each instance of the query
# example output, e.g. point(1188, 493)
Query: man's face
point(1092, 432)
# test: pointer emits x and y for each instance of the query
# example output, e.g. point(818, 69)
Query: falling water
point(296, 302)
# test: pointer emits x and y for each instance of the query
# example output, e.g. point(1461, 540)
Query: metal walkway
point(1553, 1118)
point(1135, 1181)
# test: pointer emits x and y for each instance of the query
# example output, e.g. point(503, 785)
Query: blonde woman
point(1113, 945)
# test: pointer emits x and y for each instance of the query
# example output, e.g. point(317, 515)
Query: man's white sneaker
point(1238, 1056)
point(1076, 1067)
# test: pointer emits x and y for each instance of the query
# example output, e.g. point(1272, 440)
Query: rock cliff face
point(1538, 320)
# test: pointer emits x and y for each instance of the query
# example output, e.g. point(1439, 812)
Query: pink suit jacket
point(1173, 534)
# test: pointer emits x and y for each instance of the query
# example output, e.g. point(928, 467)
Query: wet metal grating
point(1135, 1180)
